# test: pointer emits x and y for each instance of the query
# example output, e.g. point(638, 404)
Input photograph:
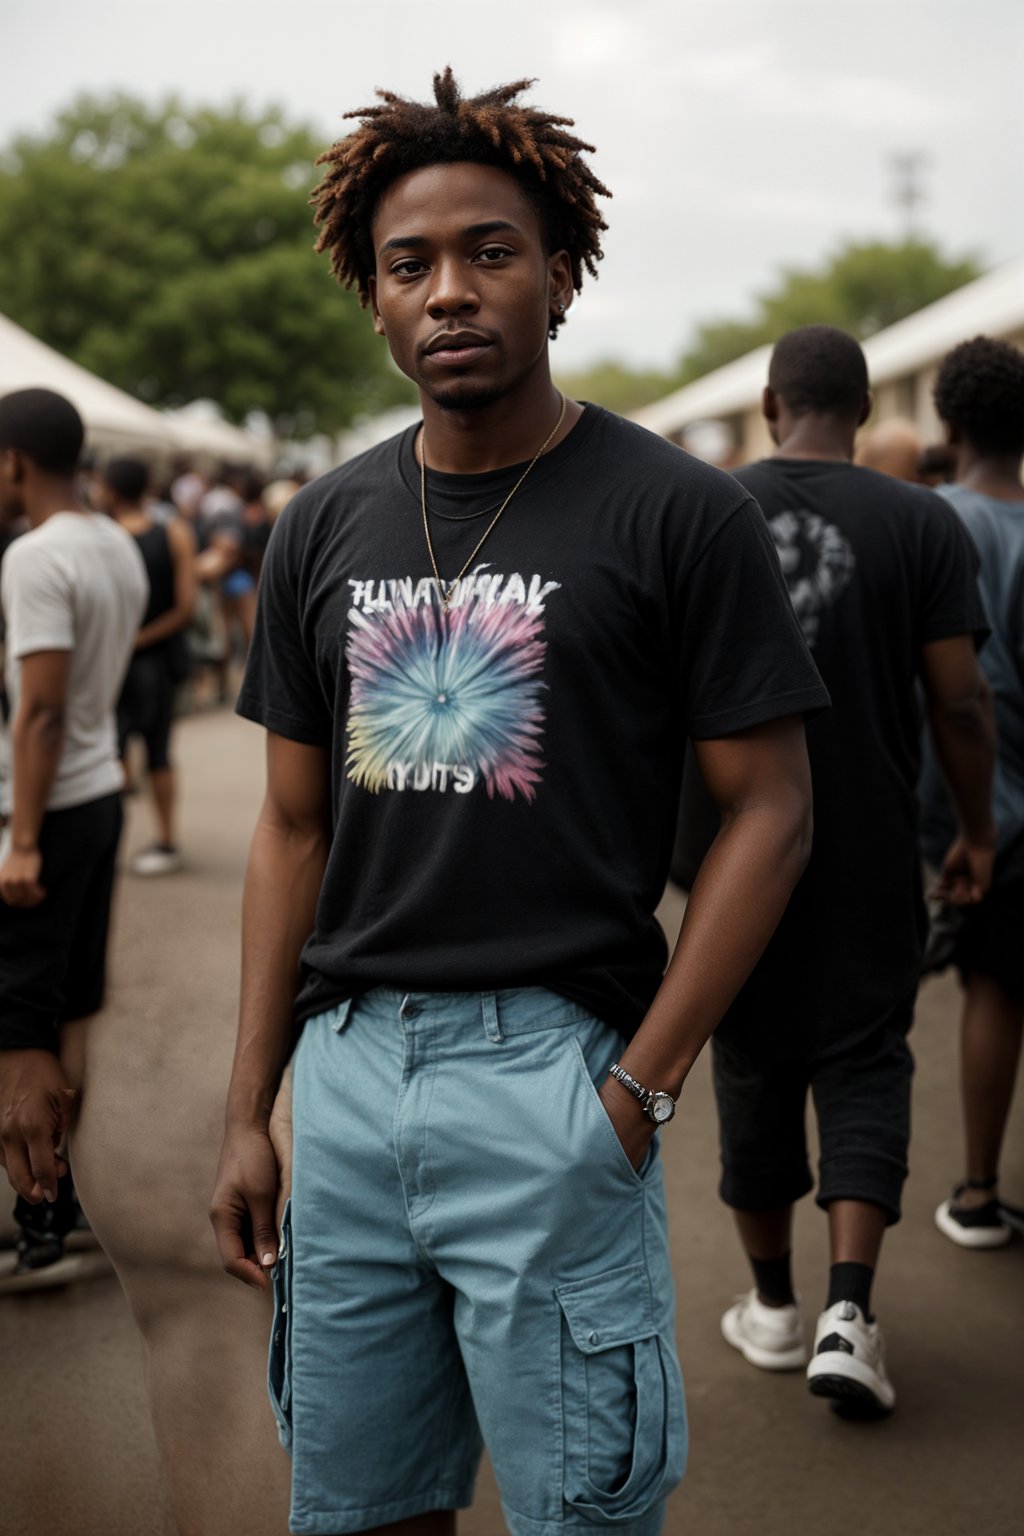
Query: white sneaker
point(157, 860)
point(975, 1226)
point(848, 1364)
point(769, 1337)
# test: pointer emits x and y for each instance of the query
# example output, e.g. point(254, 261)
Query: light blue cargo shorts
point(468, 1256)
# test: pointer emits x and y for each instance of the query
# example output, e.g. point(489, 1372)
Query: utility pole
point(907, 169)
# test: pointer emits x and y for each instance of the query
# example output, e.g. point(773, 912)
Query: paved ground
point(77, 1455)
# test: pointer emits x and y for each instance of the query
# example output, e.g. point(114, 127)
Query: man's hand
point(36, 1106)
point(20, 876)
point(966, 874)
point(243, 1205)
point(629, 1122)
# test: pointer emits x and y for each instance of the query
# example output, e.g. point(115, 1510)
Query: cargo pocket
point(279, 1371)
point(622, 1451)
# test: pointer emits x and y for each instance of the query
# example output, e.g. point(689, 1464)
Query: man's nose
point(452, 289)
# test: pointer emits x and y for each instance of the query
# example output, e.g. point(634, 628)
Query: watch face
point(663, 1107)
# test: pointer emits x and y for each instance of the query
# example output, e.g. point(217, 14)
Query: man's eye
point(407, 268)
point(493, 253)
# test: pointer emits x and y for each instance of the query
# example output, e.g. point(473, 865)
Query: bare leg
point(163, 785)
point(766, 1234)
point(856, 1229)
point(990, 1047)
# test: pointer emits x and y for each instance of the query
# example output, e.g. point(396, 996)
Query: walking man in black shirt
point(479, 651)
point(882, 580)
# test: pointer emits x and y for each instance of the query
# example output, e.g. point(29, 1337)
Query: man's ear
point(560, 289)
point(866, 408)
point(378, 323)
point(12, 466)
point(769, 404)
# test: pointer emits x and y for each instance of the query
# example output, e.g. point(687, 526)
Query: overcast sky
point(736, 135)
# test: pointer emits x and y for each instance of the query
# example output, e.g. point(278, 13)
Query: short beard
point(463, 396)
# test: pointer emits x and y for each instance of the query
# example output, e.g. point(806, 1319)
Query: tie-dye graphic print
point(446, 700)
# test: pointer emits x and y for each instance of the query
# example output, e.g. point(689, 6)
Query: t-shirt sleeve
point(40, 607)
point(951, 603)
point(743, 658)
point(281, 688)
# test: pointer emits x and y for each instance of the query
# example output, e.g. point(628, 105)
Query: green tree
point(614, 385)
point(171, 251)
point(862, 289)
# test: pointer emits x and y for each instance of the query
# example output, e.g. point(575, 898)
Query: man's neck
point(50, 497)
point(509, 431)
point(817, 437)
point(990, 474)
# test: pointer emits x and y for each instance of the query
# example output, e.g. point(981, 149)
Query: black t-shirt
point(505, 777)
point(875, 568)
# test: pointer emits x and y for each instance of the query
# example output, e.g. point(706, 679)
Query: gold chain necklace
point(446, 590)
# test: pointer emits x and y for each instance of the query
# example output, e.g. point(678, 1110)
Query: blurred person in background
point(937, 465)
point(235, 529)
point(979, 395)
point(892, 447)
point(882, 580)
point(160, 660)
point(74, 591)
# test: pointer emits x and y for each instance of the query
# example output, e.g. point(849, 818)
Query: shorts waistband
point(498, 1014)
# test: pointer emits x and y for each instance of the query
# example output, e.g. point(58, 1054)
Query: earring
point(561, 309)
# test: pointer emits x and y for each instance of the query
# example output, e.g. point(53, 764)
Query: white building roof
point(992, 305)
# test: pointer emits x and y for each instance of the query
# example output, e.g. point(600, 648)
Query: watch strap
point(638, 1090)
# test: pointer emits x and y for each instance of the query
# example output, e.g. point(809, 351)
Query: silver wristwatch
point(659, 1107)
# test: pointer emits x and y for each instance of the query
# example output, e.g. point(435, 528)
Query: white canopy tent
point(113, 419)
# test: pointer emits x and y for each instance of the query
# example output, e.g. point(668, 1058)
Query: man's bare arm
point(282, 885)
point(962, 723)
point(36, 1100)
point(37, 739)
point(760, 780)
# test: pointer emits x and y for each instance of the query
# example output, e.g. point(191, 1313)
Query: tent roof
point(114, 419)
point(992, 305)
point(109, 414)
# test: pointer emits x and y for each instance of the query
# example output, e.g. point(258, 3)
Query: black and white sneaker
point(1012, 1215)
point(977, 1226)
point(848, 1364)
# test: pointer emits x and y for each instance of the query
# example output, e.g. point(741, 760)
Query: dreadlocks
point(489, 129)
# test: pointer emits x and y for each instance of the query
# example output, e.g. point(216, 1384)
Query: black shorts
point(991, 941)
point(53, 957)
point(862, 1102)
point(146, 706)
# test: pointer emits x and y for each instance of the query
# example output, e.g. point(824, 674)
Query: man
point(882, 581)
point(979, 395)
point(480, 648)
point(892, 447)
point(160, 660)
point(73, 591)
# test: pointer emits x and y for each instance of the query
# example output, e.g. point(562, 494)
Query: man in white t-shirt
point(73, 590)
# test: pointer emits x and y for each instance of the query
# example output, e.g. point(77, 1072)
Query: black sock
point(774, 1281)
point(851, 1282)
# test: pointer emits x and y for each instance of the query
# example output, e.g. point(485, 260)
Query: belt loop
point(489, 1008)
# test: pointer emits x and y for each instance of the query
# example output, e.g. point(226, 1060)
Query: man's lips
point(458, 348)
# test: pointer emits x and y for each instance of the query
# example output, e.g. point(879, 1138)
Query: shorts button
point(409, 1009)
point(593, 1338)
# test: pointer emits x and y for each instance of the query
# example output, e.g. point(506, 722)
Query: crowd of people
point(486, 1068)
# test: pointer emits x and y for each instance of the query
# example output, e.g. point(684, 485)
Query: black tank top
point(156, 552)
